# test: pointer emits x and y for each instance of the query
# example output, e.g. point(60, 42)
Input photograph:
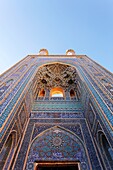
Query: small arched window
point(42, 93)
point(57, 92)
point(72, 93)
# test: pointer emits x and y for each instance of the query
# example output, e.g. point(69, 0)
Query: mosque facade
point(56, 114)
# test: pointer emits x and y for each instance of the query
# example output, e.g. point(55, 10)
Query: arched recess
point(72, 93)
point(57, 144)
point(41, 93)
point(8, 151)
point(106, 150)
point(57, 92)
point(56, 78)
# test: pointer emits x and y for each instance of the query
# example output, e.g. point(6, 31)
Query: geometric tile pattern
point(56, 105)
point(57, 144)
point(102, 104)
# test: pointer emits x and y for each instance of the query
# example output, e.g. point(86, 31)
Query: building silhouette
point(56, 113)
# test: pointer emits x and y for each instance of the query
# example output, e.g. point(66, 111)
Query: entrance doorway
point(57, 166)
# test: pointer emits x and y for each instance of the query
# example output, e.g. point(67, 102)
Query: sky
point(26, 26)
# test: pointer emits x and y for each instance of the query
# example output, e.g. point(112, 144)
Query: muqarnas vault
point(56, 114)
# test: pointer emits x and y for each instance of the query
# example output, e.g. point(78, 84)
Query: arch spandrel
point(57, 144)
point(42, 62)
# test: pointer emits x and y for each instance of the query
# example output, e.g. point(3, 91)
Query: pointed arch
point(72, 93)
point(41, 93)
point(57, 143)
point(106, 149)
point(8, 150)
point(57, 92)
